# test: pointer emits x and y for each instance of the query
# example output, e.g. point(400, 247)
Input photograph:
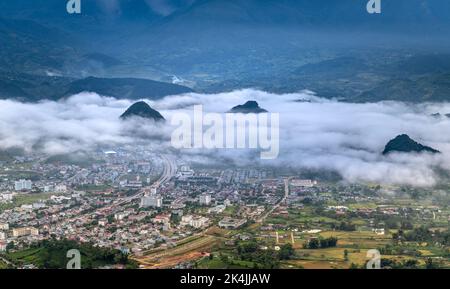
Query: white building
point(23, 185)
point(7, 197)
point(134, 184)
point(186, 220)
point(303, 183)
point(194, 221)
point(2, 235)
point(103, 222)
point(4, 226)
point(61, 188)
point(379, 231)
point(186, 172)
point(198, 222)
point(120, 216)
point(217, 209)
point(59, 199)
point(26, 207)
point(205, 200)
point(230, 223)
point(152, 201)
point(39, 205)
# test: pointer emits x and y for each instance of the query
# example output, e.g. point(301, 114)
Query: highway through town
point(169, 170)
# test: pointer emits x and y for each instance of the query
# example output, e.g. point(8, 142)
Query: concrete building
point(185, 171)
point(161, 219)
point(134, 184)
point(120, 216)
point(186, 220)
point(103, 222)
point(23, 185)
point(39, 205)
point(205, 200)
point(2, 235)
point(217, 209)
point(303, 183)
point(61, 188)
point(27, 231)
point(194, 221)
point(230, 223)
point(152, 201)
point(199, 222)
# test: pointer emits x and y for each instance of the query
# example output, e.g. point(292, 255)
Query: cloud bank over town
point(315, 133)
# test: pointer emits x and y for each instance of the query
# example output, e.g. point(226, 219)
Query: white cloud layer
point(315, 133)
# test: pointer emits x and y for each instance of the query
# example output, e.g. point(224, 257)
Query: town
point(164, 213)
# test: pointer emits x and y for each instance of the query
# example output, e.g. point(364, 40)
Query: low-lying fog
point(314, 132)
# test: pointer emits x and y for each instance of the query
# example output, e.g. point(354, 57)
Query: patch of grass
point(27, 199)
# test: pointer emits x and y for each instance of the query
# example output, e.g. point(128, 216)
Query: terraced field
point(194, 249)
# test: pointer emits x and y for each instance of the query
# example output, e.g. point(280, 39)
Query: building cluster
point(134, 201)
point(118, 202)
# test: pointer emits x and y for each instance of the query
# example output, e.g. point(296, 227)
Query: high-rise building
point(152, 201)
point(23, 185)
point(205, 200)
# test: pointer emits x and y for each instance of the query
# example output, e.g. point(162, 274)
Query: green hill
point(51, 254)
point(404, 144)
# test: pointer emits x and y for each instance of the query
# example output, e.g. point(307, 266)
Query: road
point(169, 170)
point(283, 200)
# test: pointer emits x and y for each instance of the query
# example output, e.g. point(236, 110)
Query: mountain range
point(331, 46)
point(32, 88)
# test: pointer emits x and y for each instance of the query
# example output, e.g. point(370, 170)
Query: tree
point(223, 258)
point(346, 255)
point(286, 252)
point(312, 244)
point(429, 264)
point(346, 226)
point(315, 243)
point(9, 246)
